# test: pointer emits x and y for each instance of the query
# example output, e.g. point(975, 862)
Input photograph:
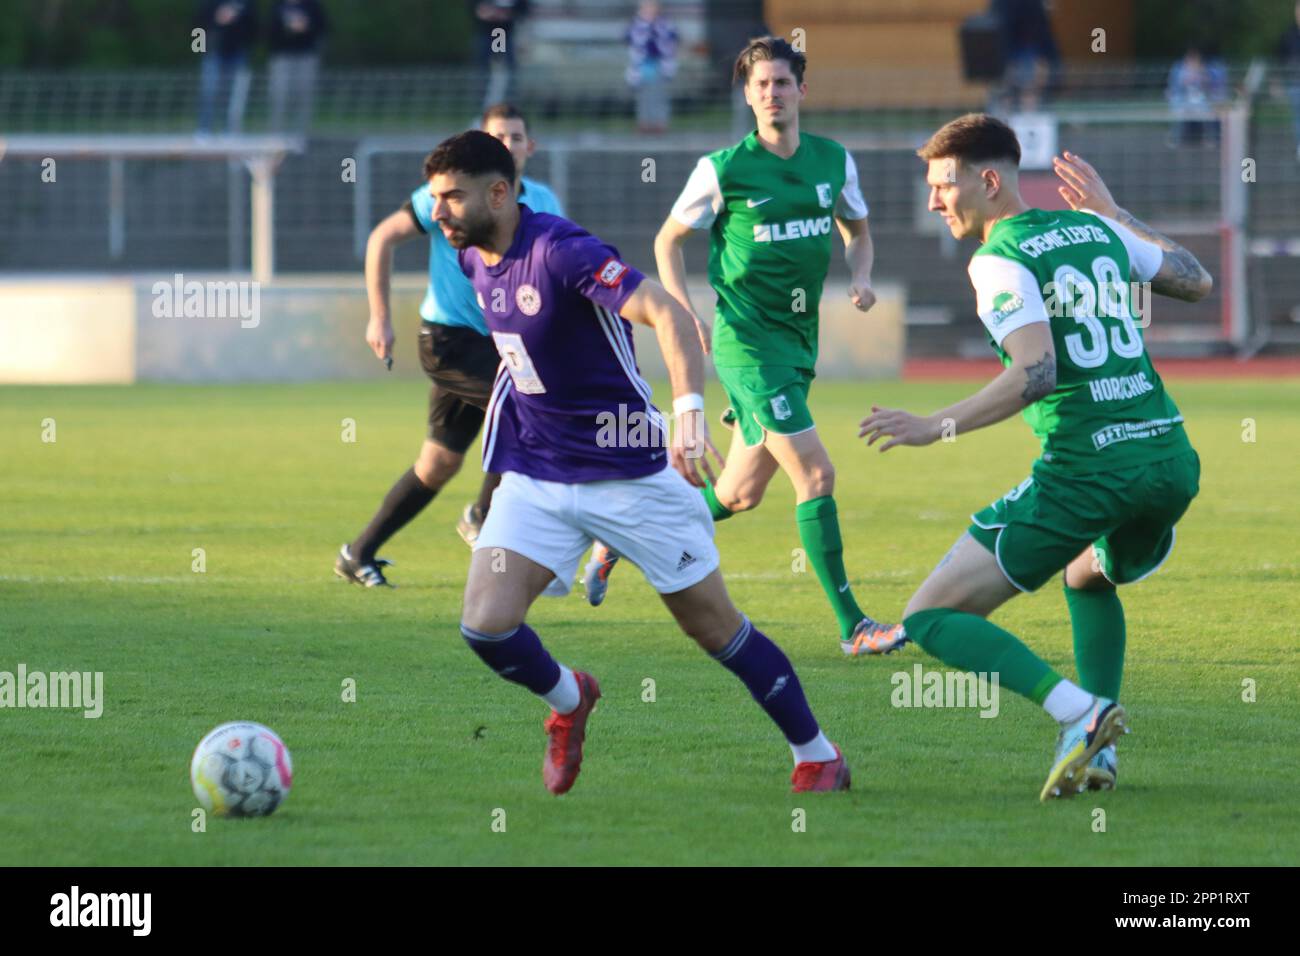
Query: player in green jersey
point(770, 204)
point(1116, 471)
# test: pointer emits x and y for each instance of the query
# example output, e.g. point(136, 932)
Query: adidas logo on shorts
point(685, 561)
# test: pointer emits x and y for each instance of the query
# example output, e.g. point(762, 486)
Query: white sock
point(817, 750)
point(564, 697)
point(1067, 702)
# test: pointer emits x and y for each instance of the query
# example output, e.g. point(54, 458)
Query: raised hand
point(1083, 188)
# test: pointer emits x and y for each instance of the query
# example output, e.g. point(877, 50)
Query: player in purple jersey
point(558, 301)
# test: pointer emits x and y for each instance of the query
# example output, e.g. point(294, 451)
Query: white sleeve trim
point(850, 204)
point(1144, 256)
point(701, 199)
point(1019, 300)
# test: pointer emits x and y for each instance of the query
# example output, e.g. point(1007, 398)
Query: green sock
point(819, 531)
point(1097, 618)
point(716, 507)
point(967, 642)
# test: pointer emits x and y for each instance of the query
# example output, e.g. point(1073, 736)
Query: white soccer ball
point(241, 769)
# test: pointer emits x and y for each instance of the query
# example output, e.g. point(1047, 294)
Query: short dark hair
point(473, 152)
point(973, 138)
point(768, 48)
point(504, 111)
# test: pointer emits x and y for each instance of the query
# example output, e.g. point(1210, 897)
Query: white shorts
point(659, 523)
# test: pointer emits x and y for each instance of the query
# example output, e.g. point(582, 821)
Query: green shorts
point(1127, 516)
point(768, 398)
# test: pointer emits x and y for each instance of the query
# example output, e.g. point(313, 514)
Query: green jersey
point(1073, 270)
point(770, 225)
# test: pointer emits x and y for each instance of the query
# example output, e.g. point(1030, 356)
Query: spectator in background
point(1288, 51)
point(495, 51)
point(230, 27)
point(652, 62)
point(298, 29)
point(1196, 83)
point(1032, 56)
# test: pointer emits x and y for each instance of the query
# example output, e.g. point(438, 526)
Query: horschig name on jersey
point(1118, 387)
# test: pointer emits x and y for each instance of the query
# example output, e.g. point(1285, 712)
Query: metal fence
point(181, 209)
point(588, 96)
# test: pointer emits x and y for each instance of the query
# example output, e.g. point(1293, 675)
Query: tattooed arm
point(1030, 376)
point(1180, 276)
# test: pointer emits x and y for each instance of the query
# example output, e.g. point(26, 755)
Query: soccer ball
point(241, 769)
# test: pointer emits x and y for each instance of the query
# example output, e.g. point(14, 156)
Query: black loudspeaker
point(982, 56)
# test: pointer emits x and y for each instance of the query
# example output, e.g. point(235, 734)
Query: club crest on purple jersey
point(529, 302)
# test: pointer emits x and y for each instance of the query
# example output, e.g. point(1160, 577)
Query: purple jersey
point(568, 385)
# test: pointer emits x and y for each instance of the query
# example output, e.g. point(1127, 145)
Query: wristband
point(690, 402)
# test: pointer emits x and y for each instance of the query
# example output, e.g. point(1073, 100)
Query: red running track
point(922, 370)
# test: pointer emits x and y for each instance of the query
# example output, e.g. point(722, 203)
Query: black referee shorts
point(462, 365)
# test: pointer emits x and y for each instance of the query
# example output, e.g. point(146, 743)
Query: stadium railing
point(259, 155)
point(162, 197)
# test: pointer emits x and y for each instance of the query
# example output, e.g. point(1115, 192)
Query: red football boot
point(563, 757)
point(810, 777)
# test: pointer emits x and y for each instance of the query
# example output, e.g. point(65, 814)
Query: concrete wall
point(205, 328)
point(60, 331)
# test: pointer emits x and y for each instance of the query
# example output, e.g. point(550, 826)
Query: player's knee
point(437, 466)
point(745, 498)
point(489, 616)
point(745, 495)
point(705, 613)
point(713, 631)
point(695, 630)
point(490, 606)
point(954, 599)
point(1086, 580)
point(824, 478)
point(817, 481)
point(1084, 574)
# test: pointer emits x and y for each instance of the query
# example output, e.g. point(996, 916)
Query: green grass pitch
point(97, 547)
